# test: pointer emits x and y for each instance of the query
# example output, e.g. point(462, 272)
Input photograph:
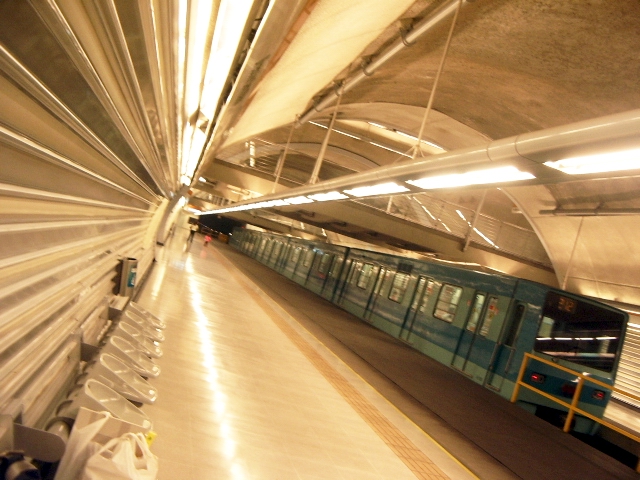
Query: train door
point(424, 285)
point(284, 258)
point(342, 280)
point(275, 255)
point(293, 264)
point(469, 333)
point(475, 352)
point(506, 350)
point(354, 269)
point(378, 272)
point(333, 276)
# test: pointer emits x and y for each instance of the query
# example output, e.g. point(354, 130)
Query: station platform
point(262, 379)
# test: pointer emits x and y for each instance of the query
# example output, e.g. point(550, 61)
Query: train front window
point(580, 332)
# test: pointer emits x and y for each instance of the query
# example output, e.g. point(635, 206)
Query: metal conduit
point(442, 13)
point(528, 150)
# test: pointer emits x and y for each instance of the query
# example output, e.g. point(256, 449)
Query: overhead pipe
point(405, 40)
point(589, 212)
point(528, 151)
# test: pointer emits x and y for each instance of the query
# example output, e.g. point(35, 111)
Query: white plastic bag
point(124, 458)
point(80, 446)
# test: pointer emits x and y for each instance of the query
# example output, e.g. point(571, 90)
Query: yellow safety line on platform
point(416, 460)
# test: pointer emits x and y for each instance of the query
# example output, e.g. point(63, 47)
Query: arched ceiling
point(512, 67)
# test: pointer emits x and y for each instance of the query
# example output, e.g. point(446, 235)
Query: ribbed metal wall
point(627, 378)
point(86, 134)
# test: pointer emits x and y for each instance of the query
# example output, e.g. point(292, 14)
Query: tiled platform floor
point(247, 393)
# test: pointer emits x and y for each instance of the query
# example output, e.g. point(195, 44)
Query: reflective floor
point(246, 393)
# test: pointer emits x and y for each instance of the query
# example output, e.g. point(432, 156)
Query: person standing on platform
point(193, 229)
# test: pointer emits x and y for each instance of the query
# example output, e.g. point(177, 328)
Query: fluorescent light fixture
point(324, 197)
point(478, 177)
point(195, 149)
point(415, 139)
point(411, 137)
point(346, 134)
point(606, 338)
point(461, 215)
point(428, 212)
point(198, 26)
point(377, 125)
point(298, 200)
point(202, 179)
point(277, 203)
point(445, 226)
point(335, 130)
point(600, 163)
point(485, 237)
point(380, 189)
point(390, 149)
point(267, 204)
point(230, 22)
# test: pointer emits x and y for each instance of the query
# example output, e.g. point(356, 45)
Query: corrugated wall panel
point(627, 377)
point(82, 185)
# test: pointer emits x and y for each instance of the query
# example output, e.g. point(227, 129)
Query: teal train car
point(480, 323)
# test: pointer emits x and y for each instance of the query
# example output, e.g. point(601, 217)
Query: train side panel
point(480, 324)
point(324, 269)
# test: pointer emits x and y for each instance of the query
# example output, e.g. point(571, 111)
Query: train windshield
point(580, 332)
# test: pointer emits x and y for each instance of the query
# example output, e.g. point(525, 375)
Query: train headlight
point(537, 377)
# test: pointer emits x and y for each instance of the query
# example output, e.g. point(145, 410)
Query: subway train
point(478, 322)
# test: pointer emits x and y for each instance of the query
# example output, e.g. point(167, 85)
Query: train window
point(354, 273)
point(307, 258)
point(335, 268)
point(478, 303)
point(419, 289)
point(377, 289)
point(514, 325)
point(399, 286)
point(448, 303)
point(365, 275)
point(277, 249)
point(262, 245)
point(580, 332)
point(546, 327)
point(427, 293)
point(295, 255)
point(325, 262)
point(489, 315)
point(386, 281)
point(267, 251)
